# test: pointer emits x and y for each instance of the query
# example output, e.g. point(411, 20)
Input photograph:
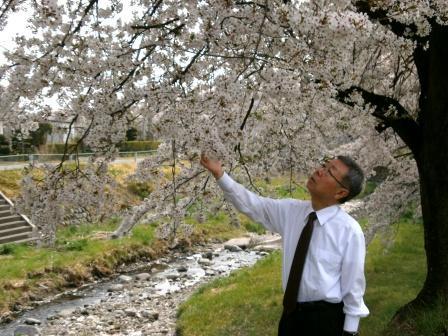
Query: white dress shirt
point(334, 269)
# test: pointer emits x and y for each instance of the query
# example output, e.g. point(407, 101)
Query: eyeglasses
point(326, 169)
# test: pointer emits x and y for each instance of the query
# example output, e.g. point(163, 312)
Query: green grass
point(245, 303)
point(394, 275)
point(280, 187)
point(433, 321)
point(74, 245)
point(217, 226)
point(248, 302)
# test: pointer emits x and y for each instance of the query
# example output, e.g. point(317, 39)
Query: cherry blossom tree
point(270, 87)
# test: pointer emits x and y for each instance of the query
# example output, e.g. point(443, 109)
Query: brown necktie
point(295, 274)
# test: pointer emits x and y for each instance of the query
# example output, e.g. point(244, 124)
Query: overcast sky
point(16, 23)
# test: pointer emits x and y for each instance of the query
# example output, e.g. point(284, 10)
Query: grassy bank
point(249, 301)
point(81, 254)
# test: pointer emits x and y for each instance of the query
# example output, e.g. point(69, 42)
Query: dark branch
point(157, 25)
point(243, 163)
point(132, 72)
point(79, 25)
point(247, 114)
point(390, 113)
point(124, 108)
point(86, 11)
point(380, 15)
point(154, 8)
point(189, 65)
point(250, 3)
point(4, 7)
point(71, 149)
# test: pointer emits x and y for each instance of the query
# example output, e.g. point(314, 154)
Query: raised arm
point(266, 211)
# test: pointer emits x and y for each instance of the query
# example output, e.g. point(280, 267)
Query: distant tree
point(4, 145)
point(39, 136)
point(131, 134)
point(26, 143)
point(21, 144)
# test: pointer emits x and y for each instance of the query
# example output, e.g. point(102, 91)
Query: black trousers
point(317, 318)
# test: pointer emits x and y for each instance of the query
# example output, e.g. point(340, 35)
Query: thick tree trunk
point(432, 162)
point(433, 167)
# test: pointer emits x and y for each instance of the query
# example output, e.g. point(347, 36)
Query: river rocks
point(64, 313)
point(143, 276)
point(266, 248)
point(32, 321)
point(242, 243)
point(26, 330)
point(172, 276)
point(182, 269)
point(125, 279)
point(115, 288)
point(150, 315)
point(232, 248)
point(210, 272)
point(84, 311)
point(195, 273)
point(208, 255)
point(130, 312)
point(205, 262)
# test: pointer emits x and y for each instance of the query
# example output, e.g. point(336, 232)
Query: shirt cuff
point(351, 323)
point(225, 182)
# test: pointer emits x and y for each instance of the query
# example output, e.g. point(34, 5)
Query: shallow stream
point(141, 302)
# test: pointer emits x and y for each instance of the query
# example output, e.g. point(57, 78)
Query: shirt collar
point(325, 214)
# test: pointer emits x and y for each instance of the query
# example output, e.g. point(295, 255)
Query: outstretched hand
point(213, 165)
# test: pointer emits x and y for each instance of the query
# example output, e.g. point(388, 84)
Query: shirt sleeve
point(353, 282)
point(263, 210)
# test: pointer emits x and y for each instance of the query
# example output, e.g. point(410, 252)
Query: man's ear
point(341, 193)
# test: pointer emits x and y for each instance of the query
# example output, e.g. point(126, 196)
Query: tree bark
point(432, 163)
point(433, 166)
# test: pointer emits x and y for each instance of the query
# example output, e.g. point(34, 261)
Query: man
point(323, 292)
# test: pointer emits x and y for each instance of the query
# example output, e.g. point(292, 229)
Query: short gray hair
point(354, 179)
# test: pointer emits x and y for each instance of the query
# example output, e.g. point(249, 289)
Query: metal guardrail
point(41, 158)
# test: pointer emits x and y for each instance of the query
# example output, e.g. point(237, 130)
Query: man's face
point(326, 183)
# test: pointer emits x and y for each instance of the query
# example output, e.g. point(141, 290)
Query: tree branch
point(380, 15)
point(189, 65)
point(132, 72)
point(390, 113)
point(4, 7)
point(79, 25)
point(247, 114)
point(157, 25)
point(124, 108)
